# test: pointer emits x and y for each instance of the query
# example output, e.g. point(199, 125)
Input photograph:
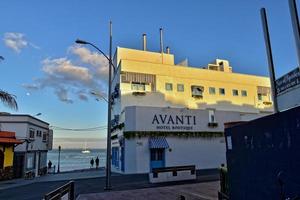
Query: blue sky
point(37, 41)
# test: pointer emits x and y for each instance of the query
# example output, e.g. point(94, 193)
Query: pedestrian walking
point(92, 163)
point(49, 164)
point(97, 162)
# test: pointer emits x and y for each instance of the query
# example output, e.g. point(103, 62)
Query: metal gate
point(263, 157)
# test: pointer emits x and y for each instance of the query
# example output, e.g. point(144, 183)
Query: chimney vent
point(168, 50)
point(161, 40)
point(144, 42)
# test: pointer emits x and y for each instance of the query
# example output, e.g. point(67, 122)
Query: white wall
point(202, 152)
point(130, 157)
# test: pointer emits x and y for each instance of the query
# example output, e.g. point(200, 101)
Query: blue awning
point(158, 143)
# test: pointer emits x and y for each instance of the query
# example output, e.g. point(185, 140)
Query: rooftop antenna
point(161, 45)
point(270, 57)
point(295, 24)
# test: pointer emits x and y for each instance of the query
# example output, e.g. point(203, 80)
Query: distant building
point(7, 143)
point(171, 115)
point(37, 140)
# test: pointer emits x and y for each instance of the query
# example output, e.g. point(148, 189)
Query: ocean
point(74, 159)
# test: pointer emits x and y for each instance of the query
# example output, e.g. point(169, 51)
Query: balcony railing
point(212, 124)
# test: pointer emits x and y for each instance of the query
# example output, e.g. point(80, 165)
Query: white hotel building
point(168, 115)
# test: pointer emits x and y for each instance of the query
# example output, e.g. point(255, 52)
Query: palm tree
point(8, 100)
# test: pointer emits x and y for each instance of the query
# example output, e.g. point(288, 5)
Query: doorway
point(157, 158)
point(18, 164)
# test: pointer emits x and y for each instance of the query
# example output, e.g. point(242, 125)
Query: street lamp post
point(59, 149)
point(109, 107)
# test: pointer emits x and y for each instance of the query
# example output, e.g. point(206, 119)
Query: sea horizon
point(73, 159)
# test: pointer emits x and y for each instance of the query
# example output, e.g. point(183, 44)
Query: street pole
point(108, 150)
point(296, 28)
point(59, 148)
point(270, 57)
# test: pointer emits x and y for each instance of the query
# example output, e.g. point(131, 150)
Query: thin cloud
point(98, 61)
point(73, 78)
point(34, 45)
point(15, 41)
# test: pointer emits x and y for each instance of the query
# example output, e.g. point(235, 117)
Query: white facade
point(37, 137)
point(201, 152)
point(197, 147)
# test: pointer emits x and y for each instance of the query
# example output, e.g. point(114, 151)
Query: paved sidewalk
point(64, 176)
point(196, 191)
point(38, 188)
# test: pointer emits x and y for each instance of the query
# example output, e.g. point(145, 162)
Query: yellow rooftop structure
point(156, 80)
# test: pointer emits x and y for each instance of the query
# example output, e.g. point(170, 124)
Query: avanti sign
point(174, 122)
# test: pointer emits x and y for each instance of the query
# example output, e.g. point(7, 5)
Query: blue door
point(157, 158)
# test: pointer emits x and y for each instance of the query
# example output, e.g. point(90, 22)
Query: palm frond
point(8, 100)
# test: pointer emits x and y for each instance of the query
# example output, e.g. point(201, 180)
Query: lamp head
point(78, 41)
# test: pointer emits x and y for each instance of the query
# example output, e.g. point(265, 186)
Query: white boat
point(85, 150)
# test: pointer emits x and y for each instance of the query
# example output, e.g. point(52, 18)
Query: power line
point(79, 129)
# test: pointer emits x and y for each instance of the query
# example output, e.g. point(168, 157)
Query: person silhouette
point(92, 163)
point(49, 164)
point(97, 162)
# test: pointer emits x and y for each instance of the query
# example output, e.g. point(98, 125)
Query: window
point(31, 133)
point(221, 91)
point(138, 86)
point(157, 154)
point(211, 116)
point(197, 91)
point(244, 93)
point(39, 133)
point(180, 87)
point(212, 90)
point(169, 86)
point(235, 92)
point(30, 160)
point(259, 96)
point(44, 136)
point(263, 93)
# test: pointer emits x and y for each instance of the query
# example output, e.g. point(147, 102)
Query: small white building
point(37, 137)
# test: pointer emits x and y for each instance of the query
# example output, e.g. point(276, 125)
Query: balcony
point(197, 91)
point(212, 124)
point(267, 103)
point(139, 93)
